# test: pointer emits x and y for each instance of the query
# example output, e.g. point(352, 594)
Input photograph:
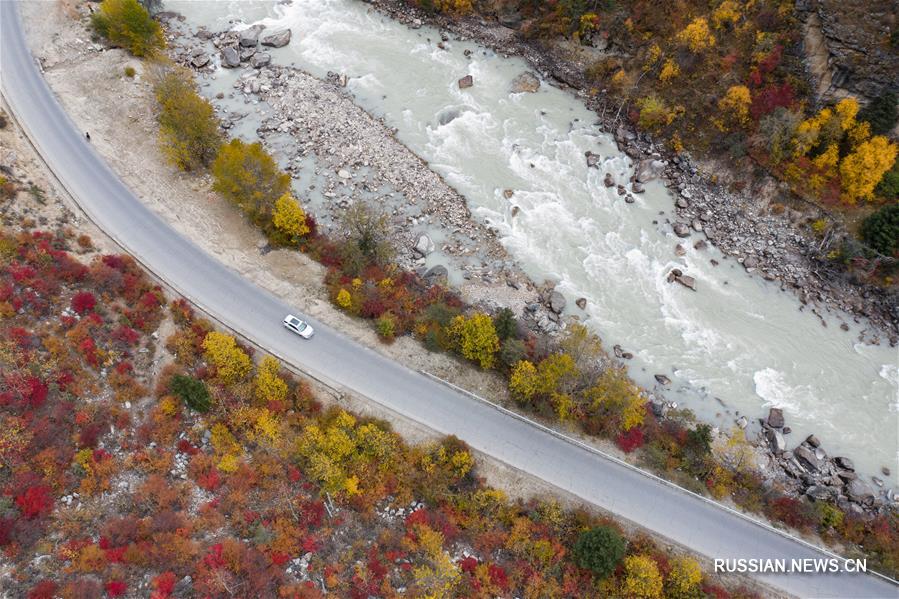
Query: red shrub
point(373, 307)
point(37, 393)
point(165, 583)
point(45, 589)
point(35, 501)
point(766, 100)
point(468, 564)
point(630, 440)
point(498, 576)
point(83, 302)
point(116, 588)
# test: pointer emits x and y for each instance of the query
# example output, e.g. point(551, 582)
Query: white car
point(300, 327)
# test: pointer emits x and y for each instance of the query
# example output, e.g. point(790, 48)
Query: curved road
point(687, 519)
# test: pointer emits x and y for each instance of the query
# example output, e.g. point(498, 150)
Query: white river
point(739, 338)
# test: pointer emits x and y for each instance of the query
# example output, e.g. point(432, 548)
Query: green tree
point(127, 24)
point(880, 230)
point(366, 238)
point(188, 130)
point(191, 391)
point(599, 550)
point(247, 175)
point(881, 113)
point(505, 324)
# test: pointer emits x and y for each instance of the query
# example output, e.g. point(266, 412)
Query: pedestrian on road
point(87, 136)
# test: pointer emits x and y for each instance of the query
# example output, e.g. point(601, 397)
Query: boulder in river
point(581, 303)
point(687, 281)
point(844, 463)
point(525, 83)
point(230, 57)
point(277, 39)
point(807, 458)
point(776, 441)
point(556, 302)
point(775, 418)
point(592, 159)
point(466, 82)
point(859, 491)
point(681, 229)
point(609, 181)
point(260, 60)
point(199, 60)
point(424, 246)
point(813, 441)
point(249, 37)
point(679, 250)
point(648, 169)
point(662, 379)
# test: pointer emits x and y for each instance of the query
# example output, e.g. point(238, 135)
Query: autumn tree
point(289, 218)
point(697, 36)
point(269, 384)
point(231, 363)
point(188, 130)
point(616, 400)
point(524, 381)
point(475, 338)
point(734, 107)
point(642, 577)
point(247, 175)
point(599, 550)
point(863, 168)
point(127, 24)
point(684, 579)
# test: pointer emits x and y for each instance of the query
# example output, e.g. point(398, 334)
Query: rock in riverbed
point(681, 230)
point(277, 39)
point(466, 82)
point(230, 58)
point(525, 83)
point(249, 37)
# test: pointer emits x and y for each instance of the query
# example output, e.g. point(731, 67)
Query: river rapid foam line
point(736, 346)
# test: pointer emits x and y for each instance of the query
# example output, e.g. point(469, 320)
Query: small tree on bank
point(247, 175)
point(127, 24)
point(600, 550)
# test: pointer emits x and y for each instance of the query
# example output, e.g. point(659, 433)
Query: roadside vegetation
point(127, 24)
point(223, 476)
point(727, 79)
point(570, 381)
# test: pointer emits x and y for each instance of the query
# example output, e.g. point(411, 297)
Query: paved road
point(687, 519)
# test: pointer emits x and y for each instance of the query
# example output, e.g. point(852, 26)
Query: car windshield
point(301, 325)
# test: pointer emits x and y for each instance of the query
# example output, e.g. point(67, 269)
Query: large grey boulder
point(858, 491)
point(424, 246)
point(437, 275)
point(776, 418)
point(230, 57)
point(807, 458)
point(557, 302)
point(466, 82)
point(648, 169)
point(260, 60)
point(277, 39)
point(249, 37)
point(525, 83)
point(844, 463)
point(681, 230)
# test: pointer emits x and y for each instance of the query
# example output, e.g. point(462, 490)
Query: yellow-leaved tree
point(734, 107)
point(127, 24)
point(231, 363)
point(863, 168)
point(475, 337)
point(683, 579)
point(616, 396)
point(269, 384)
point(188, 130)
point(247, 175)
point(642, 578)
point(697, 36)
point(289, 218)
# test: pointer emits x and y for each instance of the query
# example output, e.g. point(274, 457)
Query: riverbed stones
point(249, 37)
point(424, 246)
point(844, 463)
point(860, 492)
point(682, 203)
point(637, 187)
point(466, 82)
point(277, 39)
point(679, 250)
point(230, 57)
point(436, 275)
point(681, 229)
point(609, 181)
point(662, 379)
point(776, 441)
point(581, 303)
point(775, 418)
point(807, 458)
point(525, 83)
point(557, 302)
point(813, 441)
point(687, 281)
point(260, 60)
point(592, 159)
point(750, 262)
point(648, 169)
